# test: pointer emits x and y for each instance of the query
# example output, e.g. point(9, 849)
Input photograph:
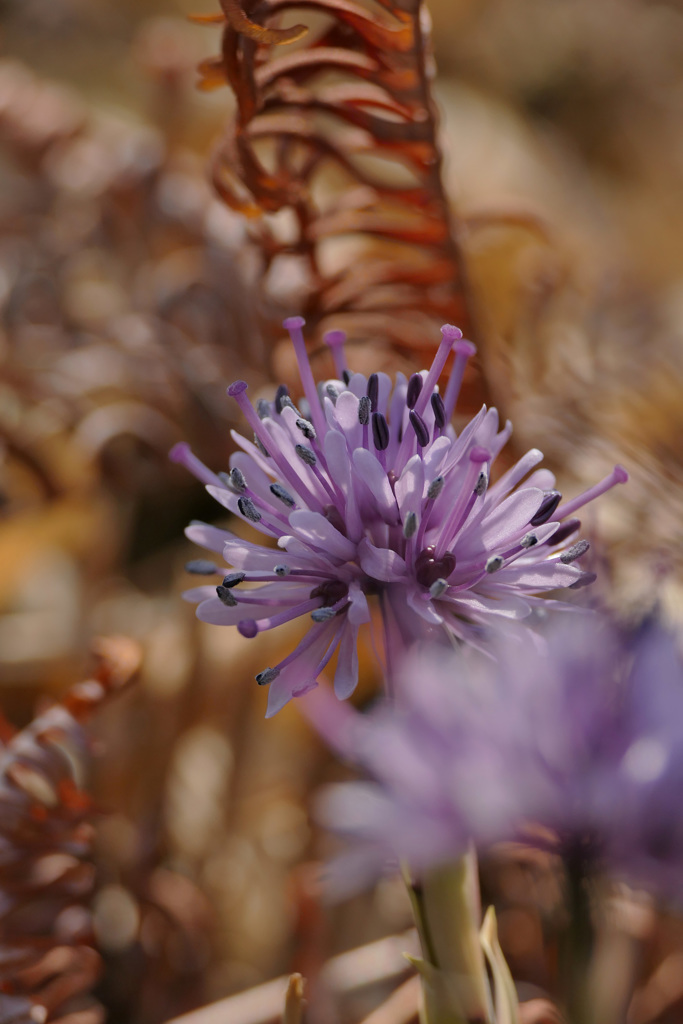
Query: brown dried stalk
point(342, 133)
point(47, 962)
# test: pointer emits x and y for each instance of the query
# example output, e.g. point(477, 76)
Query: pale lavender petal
point(381, 563)
point(541, 576)
point(369, 469)
point(207, 536)
point(346, 674)
point(509, 518)
point(313, 528)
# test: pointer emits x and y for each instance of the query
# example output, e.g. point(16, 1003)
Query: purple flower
point(367, 490)
point(575, 744)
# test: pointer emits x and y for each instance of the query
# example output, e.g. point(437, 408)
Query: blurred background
point(128, 300)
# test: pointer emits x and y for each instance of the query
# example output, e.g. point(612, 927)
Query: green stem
point(453, 968)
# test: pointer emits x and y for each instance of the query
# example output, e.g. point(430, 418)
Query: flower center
point(331, 591)
point(429, 568)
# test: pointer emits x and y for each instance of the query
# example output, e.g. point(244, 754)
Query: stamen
point(305, 454)
point(481, 484)
point(282, 570)
point(465, 500)
point(346, 377)
point(323, 614)
point(294, 325)
point(263, 408)
point(267, 676)
point(249, 510)
point(238, 481)
point(250, 627)
point(494, 563)
point(364, 408)
point(435, 488)
point(574, 552)
point(439, 410)
point(307, 429)
point(281, 393)
point(529, 540)
point(236, 391)
point(335, 340)
point(464, 350)
point(438, 588)
point(332, 393)
point(183, 455)
point(233, 579)
point(380, 431)
point(618, 476)
point(414, 388)
point(284, 496)
point(550, 502)
point(226, 596)
point(201, 567)
point(410, 525)
point(373, 390)
point(420, 428)
point(449, 334)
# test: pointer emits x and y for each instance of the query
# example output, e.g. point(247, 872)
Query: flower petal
point(381, 563)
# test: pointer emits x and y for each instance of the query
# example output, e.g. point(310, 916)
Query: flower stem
point(576, 950)
point(453, 968)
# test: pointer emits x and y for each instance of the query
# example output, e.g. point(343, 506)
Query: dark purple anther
point(226, 597)
point(282, 392)
point(233, 578)
point(439, 410)
point(429, 569)
point(373, 390)
point(574, 552)
point(323, 614)
point(248, 509)
point(420, 428)
point(551, 500)
point(267, 676)
point(284, 496)
point(364, 407)
point(307, 429)
point(380, 431)
point(201, 567)
point(564, 530)
point(414, 388)
point(306, 454)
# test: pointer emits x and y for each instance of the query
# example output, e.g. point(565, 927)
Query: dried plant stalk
point(341, 131)
point(47, 962)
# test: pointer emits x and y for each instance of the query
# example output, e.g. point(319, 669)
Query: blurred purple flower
point(367, 490)
point(575, 744)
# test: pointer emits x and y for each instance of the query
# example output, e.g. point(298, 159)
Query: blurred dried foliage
point(129, 297)
point(338, 136)
point(47, 961)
